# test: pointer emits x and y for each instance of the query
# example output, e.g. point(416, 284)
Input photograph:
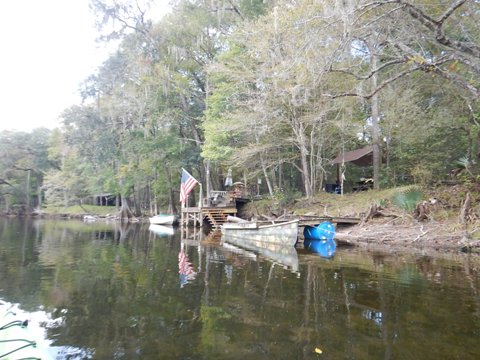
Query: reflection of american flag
point(187, 185)
point(185, 269)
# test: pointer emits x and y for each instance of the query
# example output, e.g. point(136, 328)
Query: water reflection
point(162, 230)
point(112, 292)
point(285, 256)
point(185, 268)
point(324, 248)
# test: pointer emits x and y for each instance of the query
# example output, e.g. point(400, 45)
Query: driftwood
point(422, 211)
point(372, 212)
point(375, 210)
point(466, 209)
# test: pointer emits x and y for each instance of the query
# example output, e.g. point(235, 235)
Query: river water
point(104, 291)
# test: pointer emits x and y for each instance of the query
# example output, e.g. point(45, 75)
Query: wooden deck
point(221, 204)
point(216, 216)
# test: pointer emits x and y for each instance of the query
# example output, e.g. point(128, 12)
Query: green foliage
point(408, 198)
point(283, 198)
point(212, 317)
point(265, 90)
point(23, 163)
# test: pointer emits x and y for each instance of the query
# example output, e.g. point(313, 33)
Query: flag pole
point(200, 203)
point(181, 210)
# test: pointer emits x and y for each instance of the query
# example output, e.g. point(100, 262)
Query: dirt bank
point(431, 236)
point(444, 225)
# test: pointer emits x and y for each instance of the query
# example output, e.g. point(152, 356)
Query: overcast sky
point(48, 48)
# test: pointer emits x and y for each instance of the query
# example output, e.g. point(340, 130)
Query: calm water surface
point(101, 291)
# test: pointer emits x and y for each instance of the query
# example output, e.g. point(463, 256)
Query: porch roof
point(360, 157)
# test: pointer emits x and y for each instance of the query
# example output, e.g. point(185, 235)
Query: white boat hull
point(163, 219)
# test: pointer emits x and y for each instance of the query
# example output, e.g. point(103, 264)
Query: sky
point(48, 49)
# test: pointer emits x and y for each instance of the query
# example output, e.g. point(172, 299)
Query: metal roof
point(360, 157)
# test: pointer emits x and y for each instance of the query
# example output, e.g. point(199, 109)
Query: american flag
point(185, 269)
point(187, 185)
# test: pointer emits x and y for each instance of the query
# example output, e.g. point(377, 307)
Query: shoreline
point(376, 234)
point(425, 237)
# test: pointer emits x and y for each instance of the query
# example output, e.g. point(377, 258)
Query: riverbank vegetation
point(272, 91)
point(430, 218)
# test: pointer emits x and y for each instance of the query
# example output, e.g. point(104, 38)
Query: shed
point(359, 157)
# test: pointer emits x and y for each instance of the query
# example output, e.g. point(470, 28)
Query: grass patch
point(349, 204)
point(80, 210)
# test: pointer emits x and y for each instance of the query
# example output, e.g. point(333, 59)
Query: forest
point(273, 90)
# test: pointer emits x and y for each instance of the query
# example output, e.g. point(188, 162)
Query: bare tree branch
point(377, 89)
point(436, 26)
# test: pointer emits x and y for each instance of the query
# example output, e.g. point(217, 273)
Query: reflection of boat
point(161, 229)
point(280, 233)
point(280, 254)
point(16, 340)
point(325, 248)
point(322, 231)
point(239, 251)
point(163, 219)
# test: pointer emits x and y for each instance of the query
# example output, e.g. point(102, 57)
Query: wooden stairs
point(218, 216)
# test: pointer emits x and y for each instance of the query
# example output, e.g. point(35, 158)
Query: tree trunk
point(375, 129)
point(265, 173)
point(28, 207)
point(125, 214)
point(172, 200)
point(39, 192)
point(305, 172)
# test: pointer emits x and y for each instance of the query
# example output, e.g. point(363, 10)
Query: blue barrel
point(322, 231)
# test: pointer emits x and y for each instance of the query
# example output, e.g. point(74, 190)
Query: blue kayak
point(322, 231)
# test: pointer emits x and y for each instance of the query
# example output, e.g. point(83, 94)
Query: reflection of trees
point(379, 307)
point(112, 296)
point(374, 308)
point(122, 298)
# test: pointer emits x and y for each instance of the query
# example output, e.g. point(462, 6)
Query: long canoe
point(280, 233)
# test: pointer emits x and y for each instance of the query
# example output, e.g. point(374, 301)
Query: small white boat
point(163, 219)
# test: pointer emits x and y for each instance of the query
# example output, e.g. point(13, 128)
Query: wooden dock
point(338, 220)
point(216, 216)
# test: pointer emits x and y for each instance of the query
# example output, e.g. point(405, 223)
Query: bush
point(408, 198)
